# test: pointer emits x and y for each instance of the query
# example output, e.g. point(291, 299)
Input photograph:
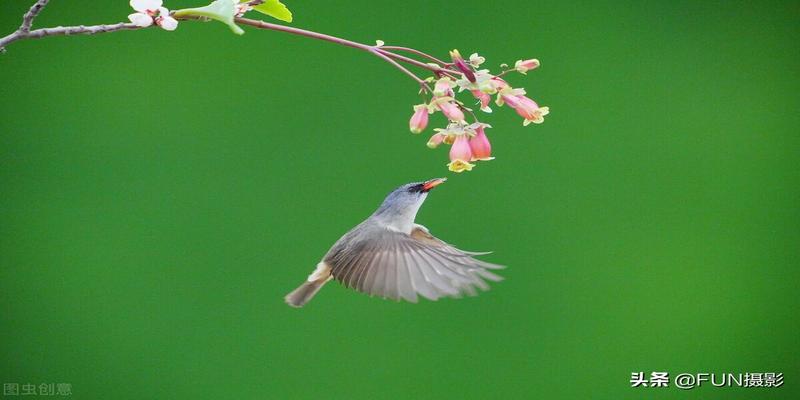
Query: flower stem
point(378, 51)
point(417, 63)
point(417, 52)
point(405, 70)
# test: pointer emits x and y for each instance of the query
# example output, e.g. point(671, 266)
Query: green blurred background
point(161, 192)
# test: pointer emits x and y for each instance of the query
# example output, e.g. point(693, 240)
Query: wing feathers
point(390, 280)
point(440, 282)
point(418, 281)
point(404, 286)
point(397, 266)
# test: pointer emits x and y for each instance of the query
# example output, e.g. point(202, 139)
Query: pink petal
point(480, 146)
point(460, 149)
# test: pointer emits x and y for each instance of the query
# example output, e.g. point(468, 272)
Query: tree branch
point(66, 30)
point(24, 32)
point(27, 19)
point(448, 105)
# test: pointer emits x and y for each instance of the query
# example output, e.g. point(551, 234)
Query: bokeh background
point(160, 193)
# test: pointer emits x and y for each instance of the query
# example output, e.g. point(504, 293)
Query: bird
point(389, 255)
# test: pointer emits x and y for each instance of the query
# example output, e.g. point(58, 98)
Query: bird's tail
point(303, 294)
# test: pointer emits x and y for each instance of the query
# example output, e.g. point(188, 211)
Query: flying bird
point(390, 256)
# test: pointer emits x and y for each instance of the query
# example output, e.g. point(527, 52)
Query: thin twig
point(417, 52)
point(416, 63)
point(302, 32)
point(505, 72)
point(422, 83)
point(333, 39)
point(25, 32)
point(27, 19)
point(66, 30)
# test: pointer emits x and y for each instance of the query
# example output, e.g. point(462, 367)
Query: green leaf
point(275, 9)
point(220, 10)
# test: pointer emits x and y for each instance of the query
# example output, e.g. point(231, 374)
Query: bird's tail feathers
point(305, 292)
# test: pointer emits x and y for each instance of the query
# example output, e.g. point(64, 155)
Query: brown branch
point(64, 31)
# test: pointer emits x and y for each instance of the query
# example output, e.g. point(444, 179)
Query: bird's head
point(403, 203)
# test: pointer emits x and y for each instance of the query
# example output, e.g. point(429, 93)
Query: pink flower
point(469, 141)
point(484, 99)
point(480, 146)
point(149, 11)
point(419, 121)
point(460, 155)
point(450, 109)
point(524, 66)
point(524, 106)
point(529, 110)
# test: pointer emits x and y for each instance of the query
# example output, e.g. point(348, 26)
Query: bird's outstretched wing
point(398, 266)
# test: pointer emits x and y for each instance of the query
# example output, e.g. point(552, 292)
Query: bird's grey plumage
point(390, 256)
point(391, 264)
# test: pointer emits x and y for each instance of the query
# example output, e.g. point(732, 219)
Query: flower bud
point(462, 66)
point(526, 65)
point(419, 120)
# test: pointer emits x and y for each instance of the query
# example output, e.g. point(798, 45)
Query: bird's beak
point(432, 183)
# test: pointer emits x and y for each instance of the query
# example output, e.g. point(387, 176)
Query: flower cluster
point(469, 141)
point(150, 11)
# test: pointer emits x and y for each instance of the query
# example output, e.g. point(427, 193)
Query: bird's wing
point(399, 266)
